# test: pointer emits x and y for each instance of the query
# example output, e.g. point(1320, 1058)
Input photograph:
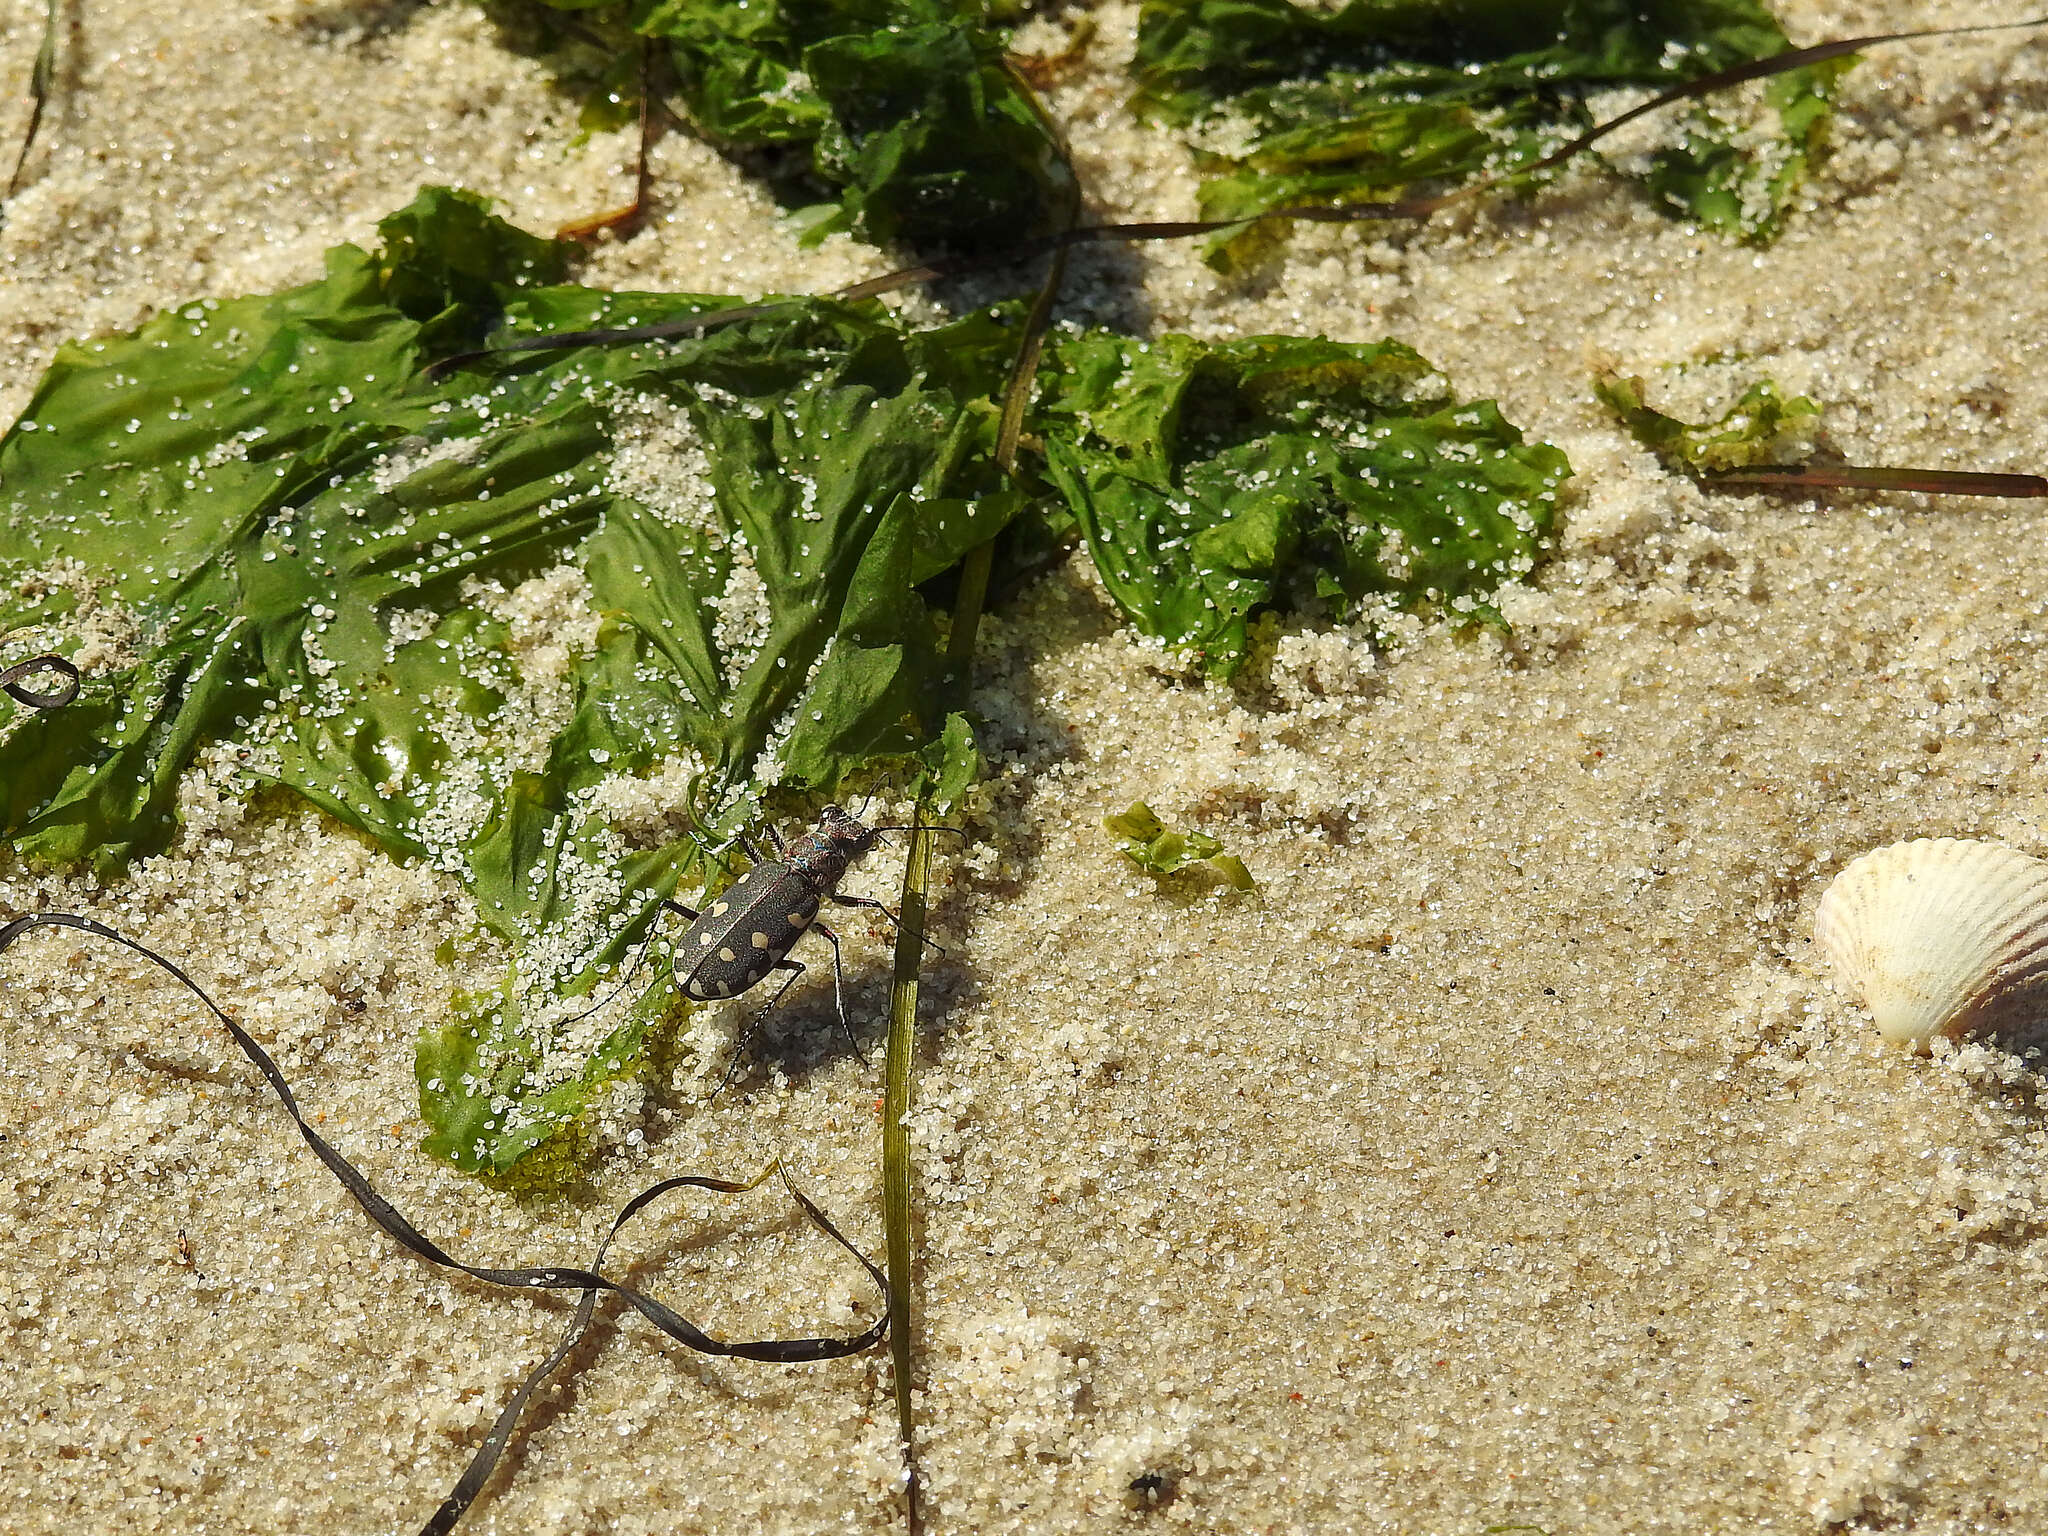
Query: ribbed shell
point(1943, 937)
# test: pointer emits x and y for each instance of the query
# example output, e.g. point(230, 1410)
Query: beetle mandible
point(747, 931)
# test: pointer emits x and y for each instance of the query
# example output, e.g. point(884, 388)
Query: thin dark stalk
point(1854, 477)
point(628, 217)
point(40, 79)
point(896, 1171)
point(896, 1184)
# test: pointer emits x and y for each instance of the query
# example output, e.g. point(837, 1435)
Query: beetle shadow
point(802, 1036)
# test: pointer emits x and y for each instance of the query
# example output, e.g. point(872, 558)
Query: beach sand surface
point(1511, 1160)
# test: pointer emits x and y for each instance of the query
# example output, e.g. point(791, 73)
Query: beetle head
point(848, 832)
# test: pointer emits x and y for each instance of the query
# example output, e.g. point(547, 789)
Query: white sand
point(1513, 1161)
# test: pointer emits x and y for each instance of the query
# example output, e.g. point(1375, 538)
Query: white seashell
point(1943, 937)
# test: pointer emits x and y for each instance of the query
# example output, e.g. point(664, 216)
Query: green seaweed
point(318, 517)
point(1158, 850)
point(1298, 107)
point(894, 120)
point(304, 533)
point(1213, 479)
point(1765, 426)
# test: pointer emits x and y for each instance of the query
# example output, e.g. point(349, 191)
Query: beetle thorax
point(821, 855)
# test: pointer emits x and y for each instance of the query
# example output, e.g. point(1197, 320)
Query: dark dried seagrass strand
point(12, 685)
point(544, 1277)
point(485, 1461)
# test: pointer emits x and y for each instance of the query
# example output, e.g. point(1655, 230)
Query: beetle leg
point(866, 901)
point(677, 906)
point(753, 1025)
point(839, 986)
point(838, 900)
point(743, 840)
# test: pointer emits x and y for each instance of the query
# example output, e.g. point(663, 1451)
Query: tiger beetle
point(749, 929)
